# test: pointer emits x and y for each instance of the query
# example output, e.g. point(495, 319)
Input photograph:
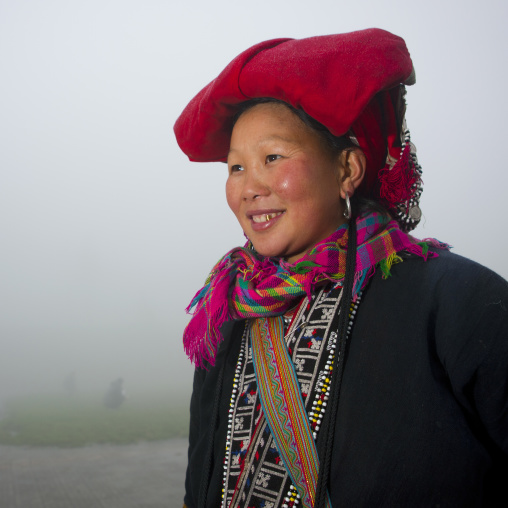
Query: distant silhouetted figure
point(69, 383)
point(115, 395)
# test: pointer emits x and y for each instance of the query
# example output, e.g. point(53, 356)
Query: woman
point(339, 361)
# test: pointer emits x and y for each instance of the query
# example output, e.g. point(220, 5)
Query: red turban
point(349, 82)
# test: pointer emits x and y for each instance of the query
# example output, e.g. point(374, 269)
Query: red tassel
point(398, 183)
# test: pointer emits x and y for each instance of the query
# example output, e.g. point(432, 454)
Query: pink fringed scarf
point(244, 284)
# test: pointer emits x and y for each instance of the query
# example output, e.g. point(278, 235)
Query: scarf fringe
point(202, 335)
point(201, 347)
point(386, 264)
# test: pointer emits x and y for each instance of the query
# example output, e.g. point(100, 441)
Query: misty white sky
point(107, 231)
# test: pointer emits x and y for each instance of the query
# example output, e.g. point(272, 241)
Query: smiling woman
point(285, 185)
point(339, 360)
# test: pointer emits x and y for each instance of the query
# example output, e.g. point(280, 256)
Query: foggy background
point(107, 231)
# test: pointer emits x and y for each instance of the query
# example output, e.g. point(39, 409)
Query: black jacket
point(423, 415)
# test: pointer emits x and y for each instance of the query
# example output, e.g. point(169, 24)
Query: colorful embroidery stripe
point(283, 405)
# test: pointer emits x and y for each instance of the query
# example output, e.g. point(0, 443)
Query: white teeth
point(266, 217)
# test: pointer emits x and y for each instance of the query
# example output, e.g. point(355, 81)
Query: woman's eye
point(235, 168)
point(272, 157)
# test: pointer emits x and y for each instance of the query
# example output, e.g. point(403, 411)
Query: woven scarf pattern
point(244, 284)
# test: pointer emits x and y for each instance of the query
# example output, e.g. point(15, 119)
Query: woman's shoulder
point(462, 304)
point(452, 261)
point(448, 289)
point(448, 272)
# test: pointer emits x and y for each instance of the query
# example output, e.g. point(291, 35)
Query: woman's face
point(283, 182)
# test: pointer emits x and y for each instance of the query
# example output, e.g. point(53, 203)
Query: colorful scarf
point(244, 284)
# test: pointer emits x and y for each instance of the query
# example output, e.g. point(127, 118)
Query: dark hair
point(337, 145)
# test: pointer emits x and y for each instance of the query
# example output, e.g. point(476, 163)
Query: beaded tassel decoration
point(401, 186)
point(401, 180)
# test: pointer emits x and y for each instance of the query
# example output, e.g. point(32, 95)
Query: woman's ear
point(353, 165)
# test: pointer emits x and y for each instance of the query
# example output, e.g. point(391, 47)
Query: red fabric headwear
point(351, 83)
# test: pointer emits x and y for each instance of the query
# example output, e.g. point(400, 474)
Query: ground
point(143, 475)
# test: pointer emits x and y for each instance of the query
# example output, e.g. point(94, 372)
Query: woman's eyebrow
point(273, 137)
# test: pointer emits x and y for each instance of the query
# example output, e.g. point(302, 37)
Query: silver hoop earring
point(347, 211)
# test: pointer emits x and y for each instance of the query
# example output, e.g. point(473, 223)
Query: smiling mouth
point(265, 217)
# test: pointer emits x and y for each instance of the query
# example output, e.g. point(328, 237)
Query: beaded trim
point(321, 391)
point(234, 393)
point(319, 404)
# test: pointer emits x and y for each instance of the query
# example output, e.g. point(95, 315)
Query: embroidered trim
point(283, 406)
point(309, 340)
point(234, 393)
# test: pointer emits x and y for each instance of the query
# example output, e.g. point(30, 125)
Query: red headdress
point(351, 83)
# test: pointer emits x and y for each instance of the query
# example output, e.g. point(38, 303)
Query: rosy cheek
point(293, 182)
point(285, 185)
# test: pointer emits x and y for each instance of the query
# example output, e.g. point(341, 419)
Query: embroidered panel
point(254, 475)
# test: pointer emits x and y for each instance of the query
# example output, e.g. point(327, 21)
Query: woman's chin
point(267, 251)
point(277, 253)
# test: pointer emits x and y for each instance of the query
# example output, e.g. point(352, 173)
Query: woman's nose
point(254, 185)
